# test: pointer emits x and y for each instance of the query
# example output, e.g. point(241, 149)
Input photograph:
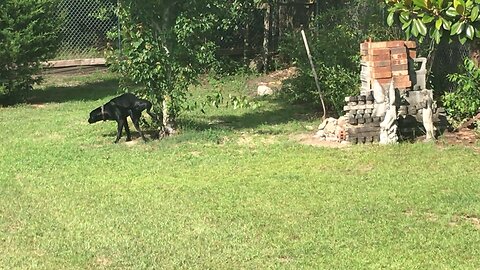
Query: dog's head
point(96, 115)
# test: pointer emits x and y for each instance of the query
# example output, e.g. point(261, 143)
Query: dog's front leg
point(120, 123)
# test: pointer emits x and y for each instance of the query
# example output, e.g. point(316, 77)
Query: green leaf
point(457, 3)
point(454, 29)
point(437, 35)
point(406, 25)
point(460, 9)
point(470, 32)
point(446, 24)
point(427, 18)
point(452, 12)
point(390, 19)
point(462, 39)
point(419, 3)
point(438, 24)
point(415, 29)
point(422, 29)
point(474, 13)
point(405, 16)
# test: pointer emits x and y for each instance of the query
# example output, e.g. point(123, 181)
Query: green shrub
point(464, 102)
point(335, 82)
point(28, 36)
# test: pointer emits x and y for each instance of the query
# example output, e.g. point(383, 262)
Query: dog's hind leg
point(135, 119)
point(120, 124)
point(147, 105)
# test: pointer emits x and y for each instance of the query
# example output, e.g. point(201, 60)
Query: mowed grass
point(232, 191)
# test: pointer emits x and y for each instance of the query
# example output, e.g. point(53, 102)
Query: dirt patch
point(133, 142)
point(465, 137)
point(308, 139)
point(103, 261)
point(457, 219)
point(273, 80)
point(38, 106)
point(251, 140)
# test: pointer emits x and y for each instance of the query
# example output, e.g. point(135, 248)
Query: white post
point(314, 74)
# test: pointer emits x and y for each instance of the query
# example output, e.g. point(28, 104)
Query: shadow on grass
point(83, 92)
point(281, 113)
point(150, 134)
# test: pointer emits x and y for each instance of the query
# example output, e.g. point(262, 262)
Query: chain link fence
point(85, 28)
point(448, 59)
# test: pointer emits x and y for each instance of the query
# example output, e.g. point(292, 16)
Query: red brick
point(375, 58)
point(403, 85)
point(376, 45)
point(381, 69)
point(401, 78)
point(399, 62)
point(379, 51)
point(399, 56)
point(395, 43)
point(412, 53)
point(381, 75)
point(398, 50)
point(399, 67)
point(400, 73)
point(411, 44)
point(383, 81)
point(379, 64)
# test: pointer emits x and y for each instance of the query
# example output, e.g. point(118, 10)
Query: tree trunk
point(168, 119)
point(246, 44)
point(266, 37)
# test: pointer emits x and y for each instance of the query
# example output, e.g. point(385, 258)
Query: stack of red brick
point(383, 61)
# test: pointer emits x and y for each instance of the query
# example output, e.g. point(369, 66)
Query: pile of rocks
point(332, 130)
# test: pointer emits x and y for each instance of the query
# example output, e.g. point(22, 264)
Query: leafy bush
point(464, 102)
point(335, 82)
point(28, 36)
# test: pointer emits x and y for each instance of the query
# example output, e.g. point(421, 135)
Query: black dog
point(119, 109)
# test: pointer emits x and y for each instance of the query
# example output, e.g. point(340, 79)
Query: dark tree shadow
point(282, 113)
point(83, 92)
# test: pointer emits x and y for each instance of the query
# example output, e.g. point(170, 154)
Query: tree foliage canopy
point(437, 19)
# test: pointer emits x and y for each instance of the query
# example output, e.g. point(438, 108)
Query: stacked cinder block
point(384, 61)
point(410, 113)
point(363, 126)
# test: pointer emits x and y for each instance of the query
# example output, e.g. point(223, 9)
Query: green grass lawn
point(232, 191)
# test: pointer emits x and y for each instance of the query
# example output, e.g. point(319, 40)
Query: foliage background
point(28, 35)
point(334, 39)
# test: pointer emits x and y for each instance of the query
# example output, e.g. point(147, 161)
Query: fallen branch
point(469, 122)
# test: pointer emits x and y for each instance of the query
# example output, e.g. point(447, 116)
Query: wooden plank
point(75, 62)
